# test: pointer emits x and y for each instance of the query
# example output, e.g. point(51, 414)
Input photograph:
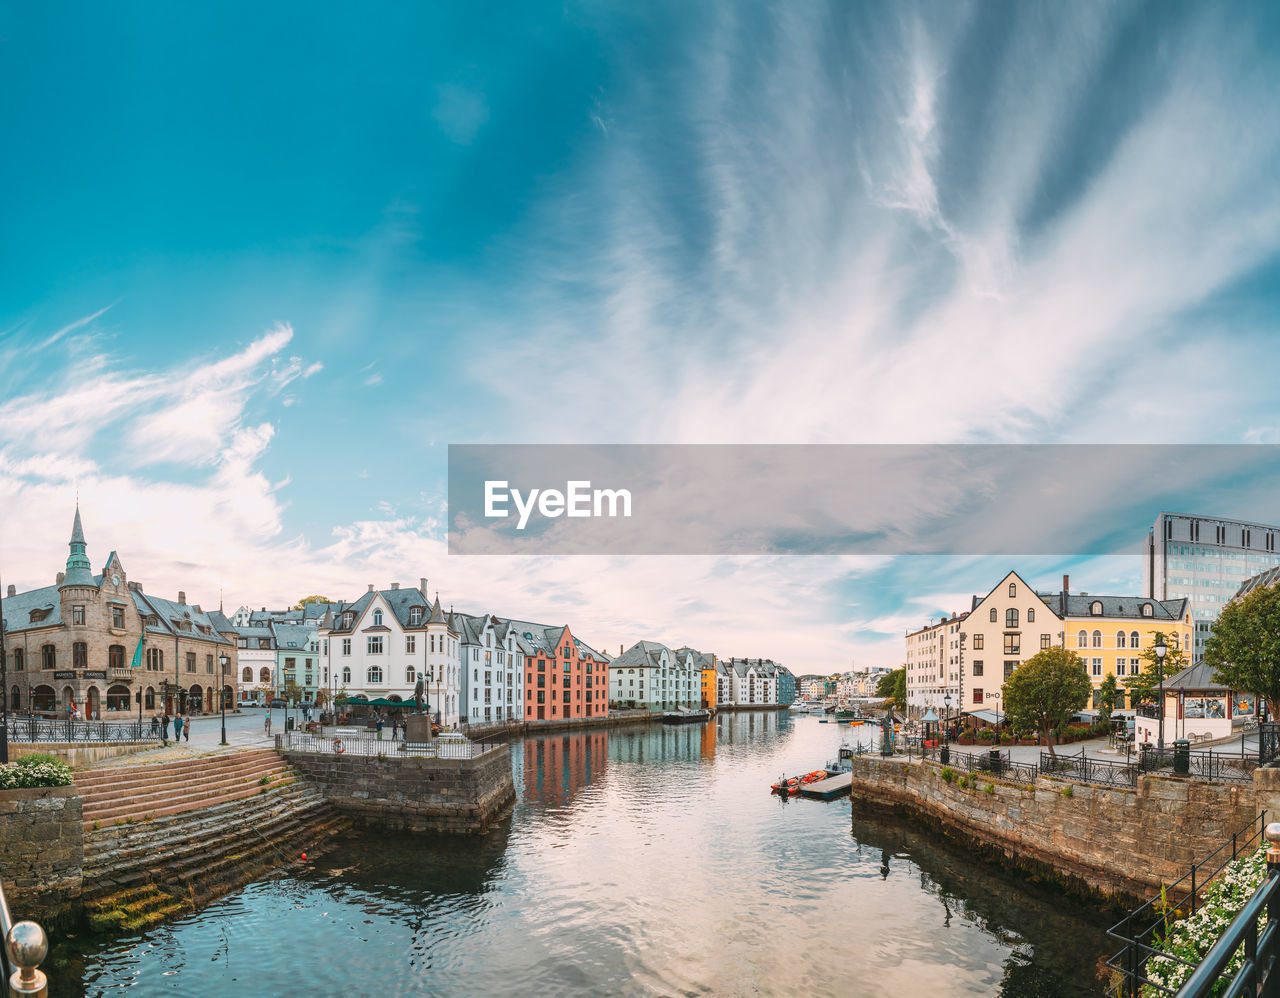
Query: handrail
point(1243, 929)
point(25, 946)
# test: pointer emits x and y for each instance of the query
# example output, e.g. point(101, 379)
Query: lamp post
point(1161, 650)
point(945, 752)
point(224, 661)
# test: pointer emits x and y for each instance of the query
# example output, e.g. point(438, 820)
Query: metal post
point(4, 691)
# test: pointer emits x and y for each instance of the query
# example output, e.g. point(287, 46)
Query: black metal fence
point(1268, 742)
point(1146, 925)
point(1086, 769)
point(25, 728)
point(438, 748)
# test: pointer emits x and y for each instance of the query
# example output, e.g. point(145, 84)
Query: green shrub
point(36, 770)
point(1068, 791)
point(986, 736)
point(990, 789)
point(948, 774)
point(963, 783)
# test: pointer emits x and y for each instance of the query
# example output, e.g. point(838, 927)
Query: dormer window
point(1095, 608)
point(377, 618)
point(415, 615)
point(1147, 611)
point(346, 619)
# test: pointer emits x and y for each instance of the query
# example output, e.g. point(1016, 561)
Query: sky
point(262, 264)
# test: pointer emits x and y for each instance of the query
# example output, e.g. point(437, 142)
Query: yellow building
point(1014, 621)
point(709, 685)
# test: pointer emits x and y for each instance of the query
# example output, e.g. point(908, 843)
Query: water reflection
point(637, 861)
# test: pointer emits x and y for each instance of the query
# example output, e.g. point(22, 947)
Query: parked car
point(251, 702)
point(277, 704)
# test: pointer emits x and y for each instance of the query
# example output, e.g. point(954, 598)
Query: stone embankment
point(1107, 843)
point(166, 839)
point(42, 854)
point(412, 793)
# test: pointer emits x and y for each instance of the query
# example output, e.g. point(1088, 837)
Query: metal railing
point(1258, 973)
point(24, 948)
point(1081, 767)
point(438, 748)
point(27, 728)
point(1268, 742)
point(1141, 930)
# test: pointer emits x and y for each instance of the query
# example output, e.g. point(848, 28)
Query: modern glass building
point(1205, 559)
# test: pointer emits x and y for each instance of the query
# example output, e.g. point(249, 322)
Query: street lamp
point(945, 752)
point(1161, 650)
point(224, 661)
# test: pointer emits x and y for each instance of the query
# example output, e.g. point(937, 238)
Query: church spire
point(79, 571)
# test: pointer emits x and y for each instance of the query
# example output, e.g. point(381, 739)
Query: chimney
point(1066, 583)
point(395, 586)
point(370, 587)
point(422, 587)
point(182, 598)
point(13, 591)
point(1062, 601)
point(61, 576)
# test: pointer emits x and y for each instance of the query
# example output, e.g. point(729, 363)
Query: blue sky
point(263, 262)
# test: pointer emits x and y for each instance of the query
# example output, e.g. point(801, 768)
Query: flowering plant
point(36, 770)
point(1191, 938)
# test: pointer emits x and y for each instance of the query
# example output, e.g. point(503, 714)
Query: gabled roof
point(1260, 581)
point(1127, 607)
point(1195, 677)
point(17, 609)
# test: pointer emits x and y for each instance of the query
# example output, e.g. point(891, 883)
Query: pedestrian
point(395, 730)
point(186, 730)
point(266, 725)
point(177, 728)
point(155, 725)
point(164, 729)
point(379, 729)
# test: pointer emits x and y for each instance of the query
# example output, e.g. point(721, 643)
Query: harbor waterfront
point(637, 860)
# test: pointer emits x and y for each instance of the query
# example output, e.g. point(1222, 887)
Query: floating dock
point(830, 788)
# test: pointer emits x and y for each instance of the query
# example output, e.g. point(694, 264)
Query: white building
point(747, 681)
point(257, 658)
point(933, 665)
point(651, 676)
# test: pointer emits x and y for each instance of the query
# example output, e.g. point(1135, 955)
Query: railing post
point(1193, 888)
point(28, 946)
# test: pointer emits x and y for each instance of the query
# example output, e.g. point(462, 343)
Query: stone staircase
point(165, 839)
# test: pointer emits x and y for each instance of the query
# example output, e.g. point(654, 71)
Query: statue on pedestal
point(417, 695)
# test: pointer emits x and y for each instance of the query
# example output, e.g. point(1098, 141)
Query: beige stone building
point(94, 641)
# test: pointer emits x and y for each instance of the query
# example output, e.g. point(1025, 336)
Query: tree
point(1107, 698)
point(322, 699)
point(1145, 687)
point(311, 599)
point(292, 692)
point(1046, 690)
point(893, 686)
point(1244, 647)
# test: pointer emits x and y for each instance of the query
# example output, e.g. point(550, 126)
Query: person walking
point(155, 725)
point(164, 729)
point(266, 725)
point(379, 729)
point(177, 728)
point(186, 730)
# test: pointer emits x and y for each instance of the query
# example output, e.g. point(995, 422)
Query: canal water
point(637, 861)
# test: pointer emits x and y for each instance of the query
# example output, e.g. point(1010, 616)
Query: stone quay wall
point(410, 793)
point(77, 754)
point(42, 854)
point(496, 730)
point(1103, 843)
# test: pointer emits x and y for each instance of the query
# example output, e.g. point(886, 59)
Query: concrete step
point(150, 810)
point(140, 797)
point(95, 780)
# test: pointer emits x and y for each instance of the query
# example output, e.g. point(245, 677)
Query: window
point(1031, 615)
point(346, 646)
point(191, 661)
point(1119, 667)
point(1013, 590)
point(410, 643)
point(155, 660)
point(1044, 641)
point(1135, 666)
point(410, 675)
point(994, 617)
point(77, 615)
point(80, 655)
point(115, 657)
point(117, 616)
point(978, 640)
point(1134, 640)
point(977, 667)
point(48, 657)
point(977, 694)
point(246, 675)
point(1013, 644)
point(346, 675)
point(208, 664)
point(415, 615)
point(1097, 639)
point(150, 699)
point(1120, 639)
point(373, 644)
point(1082, 640)
point(346, 619)
point(375, 674)
point(1095, 608)
point(1008, 669)
point(1097, 667)
point(377, 618)
point(1147, 611)
point(18, 659)
point(1011, 618)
